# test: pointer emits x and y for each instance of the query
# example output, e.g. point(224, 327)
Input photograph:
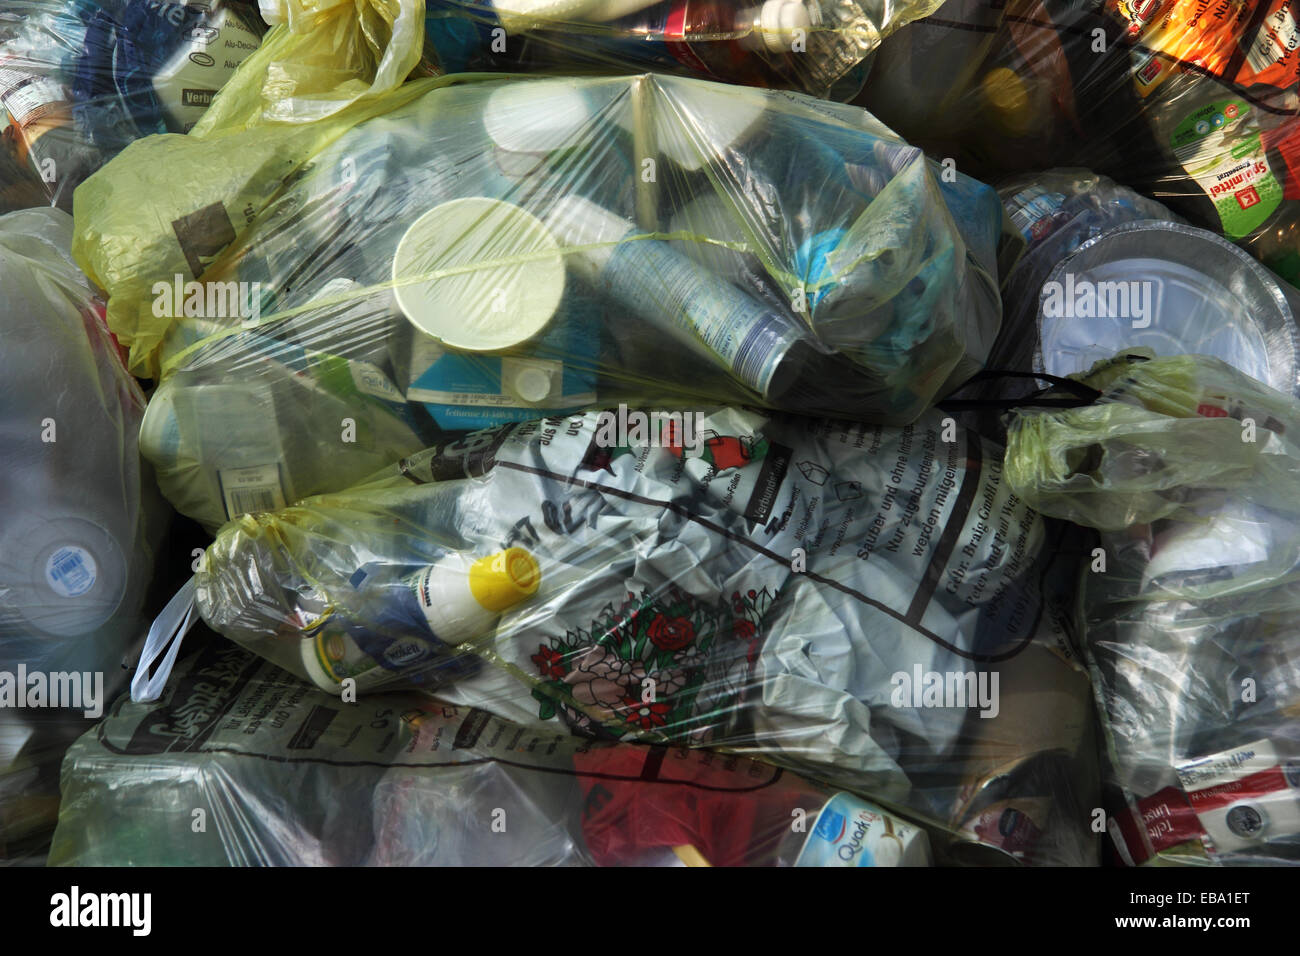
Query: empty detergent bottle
point(416, 618)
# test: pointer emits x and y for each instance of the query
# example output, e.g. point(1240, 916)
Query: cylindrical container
point(1174, 289)
point(434, 610)
point(851, 832)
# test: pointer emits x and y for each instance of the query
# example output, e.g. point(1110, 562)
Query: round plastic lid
point(490, 275)
point(65, 575)
point(536, 116)
point(1201, 296)
point(778, 21)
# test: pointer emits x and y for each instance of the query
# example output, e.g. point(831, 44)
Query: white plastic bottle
point(443, 606)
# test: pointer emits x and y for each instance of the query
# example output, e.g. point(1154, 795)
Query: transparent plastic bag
point(1189, 103)
point(777, 587)
point(500, 249)
point(814, 46)
point(167, 205)
point(1189, 469)
point(283, 774)
point(80, 80)
point(82, 517)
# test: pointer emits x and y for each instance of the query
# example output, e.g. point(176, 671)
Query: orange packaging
point(1246, 42)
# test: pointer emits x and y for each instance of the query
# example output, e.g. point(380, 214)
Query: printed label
point(1032, 211)
point(70, 571)
point(27, 98)
point(852, 832)
point(254, 489)
point(748, 338)
point(1244, 797)
point(1229, 163)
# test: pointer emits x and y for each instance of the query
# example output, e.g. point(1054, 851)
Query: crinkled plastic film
point(1189, 469)
point(820, 47)
point(770, 586)
point(75, 558)
point(80, 80)
point(401, 779)
point(1191, 104)
point(499, 249)
point(170, 204)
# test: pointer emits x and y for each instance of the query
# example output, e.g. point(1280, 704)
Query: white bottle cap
point(532, 382)
point(590, 230)
point(495, 274)
point(695, 123)
point(777, 22)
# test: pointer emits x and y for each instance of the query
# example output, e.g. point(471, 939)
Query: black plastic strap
point(1085, 394)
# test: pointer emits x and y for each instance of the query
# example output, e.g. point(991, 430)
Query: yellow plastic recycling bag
point(167, 205)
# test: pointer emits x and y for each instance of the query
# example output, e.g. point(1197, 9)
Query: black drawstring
point(1085, 394)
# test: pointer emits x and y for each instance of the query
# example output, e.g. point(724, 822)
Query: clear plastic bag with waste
point(820, 47)
point(501, 249)
point(1189, 470)
point(82, 516)
point(80, 80)
point(865, 605)
point(275, 772)
point(1191, 104)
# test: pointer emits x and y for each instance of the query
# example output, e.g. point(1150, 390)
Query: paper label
point(1244, 797)
point(27, 98)
point(70, 571)
point(254, 489)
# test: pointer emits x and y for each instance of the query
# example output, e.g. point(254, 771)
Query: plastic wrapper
point(167, 205)
point(1189, 469)
point(82, 517)
point(503, 249)
point(1104, 269)
point(1190, 103)
point(273, 772)
point(814, 46)
point(869, 606)
point(81, 80)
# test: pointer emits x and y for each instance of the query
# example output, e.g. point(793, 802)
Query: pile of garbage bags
point(572, 433)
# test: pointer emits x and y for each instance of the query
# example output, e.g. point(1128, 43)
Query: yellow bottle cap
point(502, 580)
point(1007, 95)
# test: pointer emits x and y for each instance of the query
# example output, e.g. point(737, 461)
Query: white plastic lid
point(777, 22)
point(63, 574)
point(495, 274)
point(531, 381)
point(536, 116)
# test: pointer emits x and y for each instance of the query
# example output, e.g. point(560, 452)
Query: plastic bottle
point(418, 619)
point(757, 344)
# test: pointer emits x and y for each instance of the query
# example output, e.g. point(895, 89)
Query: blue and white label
point(70, 571)
point(852, 832)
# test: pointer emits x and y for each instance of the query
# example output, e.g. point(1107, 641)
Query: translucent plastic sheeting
point(170, 203)
point(867, 605)
point(820, 47)
point(242, 764)
point(1193, 104)
point(502, 249)
point(82, 517)
point(1189, 468)
point(80, 80)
